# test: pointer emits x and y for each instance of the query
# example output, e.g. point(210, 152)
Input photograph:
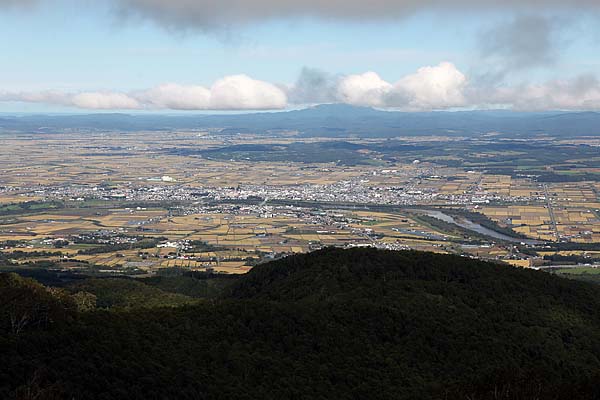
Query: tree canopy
point(343, 324)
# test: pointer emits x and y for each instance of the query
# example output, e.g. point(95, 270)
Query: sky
point(237, 55)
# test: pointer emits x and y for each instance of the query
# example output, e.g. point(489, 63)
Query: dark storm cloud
point(314, 86)
point(16, 3)
point(523, 42)
point(210, 14)
point(225, 14)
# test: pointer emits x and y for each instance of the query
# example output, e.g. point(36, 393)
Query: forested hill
point(334, 324)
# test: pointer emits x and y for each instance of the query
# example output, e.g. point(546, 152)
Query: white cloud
point(581, 93)
point(46, 96)
point(104, 101)
point(242, 92)
point(238, 92)
point(430, 88)
point(85, 100)
point(438, 87)
point(367, 89)
point(176, 97)
point(433, 88)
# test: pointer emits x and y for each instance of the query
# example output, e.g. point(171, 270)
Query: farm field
point(225, 202)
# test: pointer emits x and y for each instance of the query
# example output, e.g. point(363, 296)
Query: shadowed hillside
point(334, 324)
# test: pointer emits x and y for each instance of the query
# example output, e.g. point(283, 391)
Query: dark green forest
point(333, 324)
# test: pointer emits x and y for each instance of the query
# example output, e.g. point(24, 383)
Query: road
point(551, 212)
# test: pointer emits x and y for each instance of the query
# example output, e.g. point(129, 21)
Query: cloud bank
point(237, 92)
point(209, 14)
point(577, 94)
point(439, 87)
point(523, 42)
point(14, 3)
point(430, 88)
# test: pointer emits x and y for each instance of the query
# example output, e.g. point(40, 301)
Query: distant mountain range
point(328, 120)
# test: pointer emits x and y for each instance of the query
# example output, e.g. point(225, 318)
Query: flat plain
point(225, 202)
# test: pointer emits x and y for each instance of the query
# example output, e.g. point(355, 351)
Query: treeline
point(28, 306)
point(570, 259)
point(469, 236)
point(543, 176)
point(28, 206)
point(444, 226)
point(568, 246)
point(109, 248)
point(128, 293)
point(199, 246)
point(486, 222)
point(20, 255)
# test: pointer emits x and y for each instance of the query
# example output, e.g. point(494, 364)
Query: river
point(472, 226)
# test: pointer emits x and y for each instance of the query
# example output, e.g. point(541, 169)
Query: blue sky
point(74, 47)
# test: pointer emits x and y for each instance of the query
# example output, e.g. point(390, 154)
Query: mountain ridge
point(330, 120)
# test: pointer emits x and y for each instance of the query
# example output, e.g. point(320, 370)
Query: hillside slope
point(342, 324)
point(129, 293)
